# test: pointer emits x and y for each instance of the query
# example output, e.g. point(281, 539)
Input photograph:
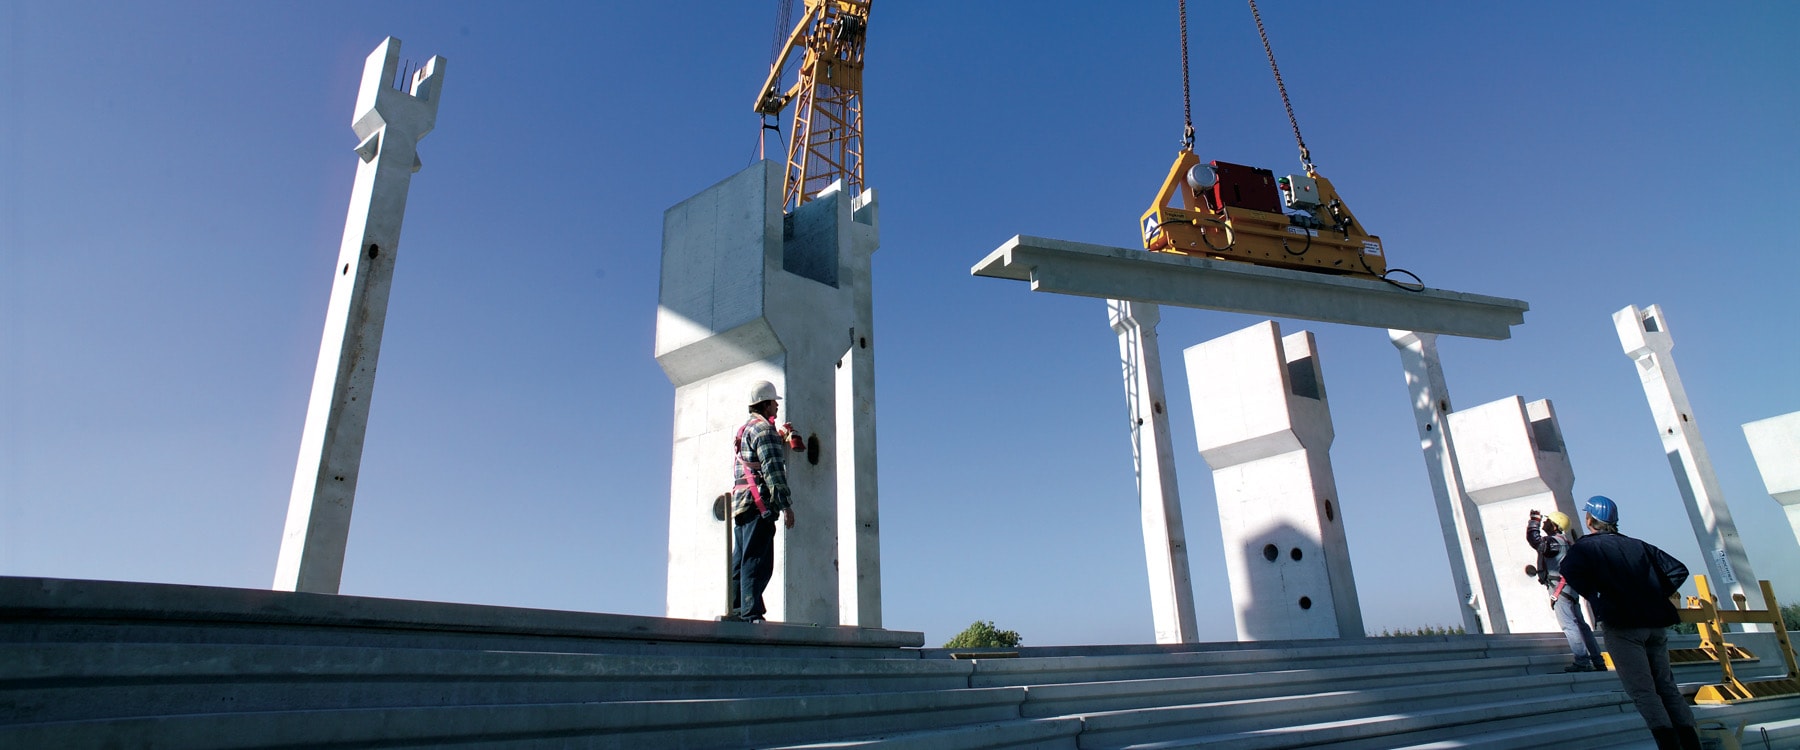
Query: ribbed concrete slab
point(56, 599)
point(1086, 270)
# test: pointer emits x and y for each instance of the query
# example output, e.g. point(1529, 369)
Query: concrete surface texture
point(390, 123)
point(1267, 438)
point(1087, 270)
point(112, 664)
point(746, 295)
point(1513, 461)
point(1153, 457)
point(1464, 541)
point(1644, 334)
point(1775, 444)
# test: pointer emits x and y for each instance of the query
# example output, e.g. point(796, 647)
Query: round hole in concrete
point(1306, 602)
point(812, 450)
point(1270, 552)
point(1295, 554)
point(345, 271)
point(1330, 513)
point(374, 250)
point(1427, 428)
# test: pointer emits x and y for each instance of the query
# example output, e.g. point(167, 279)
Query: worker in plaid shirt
point(759, 494)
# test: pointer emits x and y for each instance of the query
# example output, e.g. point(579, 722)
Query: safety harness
point(751, 471)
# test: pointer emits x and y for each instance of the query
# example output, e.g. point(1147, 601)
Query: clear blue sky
point(173, 180)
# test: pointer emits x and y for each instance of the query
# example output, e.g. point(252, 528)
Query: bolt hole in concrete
point(1684, 418)
point(1427, 428)
point(1330, 514)
point(1156, 406)
point(864, 342)
point(1306, 602)
point(374, 251)
point(1270, 552)
point(345, 271)
point(1295, 554)
point(812, 450)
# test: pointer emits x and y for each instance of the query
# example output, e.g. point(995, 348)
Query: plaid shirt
point(761, 449)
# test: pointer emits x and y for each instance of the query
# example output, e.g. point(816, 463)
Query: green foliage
point(1790, 616)
point(1427, 630)
point(984, 635)
point(1685, 628)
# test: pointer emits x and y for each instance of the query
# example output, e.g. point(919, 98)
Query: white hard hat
point(763, 391)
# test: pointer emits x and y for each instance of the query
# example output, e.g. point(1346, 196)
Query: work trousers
point(1575, 628)
point(1641, 656)
point(752, 563)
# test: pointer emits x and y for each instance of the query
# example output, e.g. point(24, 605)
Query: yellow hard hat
point(1559, 518)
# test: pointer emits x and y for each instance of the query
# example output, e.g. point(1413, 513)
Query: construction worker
point(1631, 584)
point(1550, 536)
point(759, 494)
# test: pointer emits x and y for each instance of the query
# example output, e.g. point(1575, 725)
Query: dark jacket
point(1550, 549)
point(1629, 581)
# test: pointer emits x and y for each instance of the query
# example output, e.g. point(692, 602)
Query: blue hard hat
point(1602, 508)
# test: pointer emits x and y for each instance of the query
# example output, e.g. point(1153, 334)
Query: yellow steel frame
point(1731, 689)
point(825, 142)
point(1181, 222)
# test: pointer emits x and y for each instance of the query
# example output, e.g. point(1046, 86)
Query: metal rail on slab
point(1087, 270)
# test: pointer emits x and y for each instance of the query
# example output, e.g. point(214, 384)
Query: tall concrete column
point(1153, 456)
point(746, 295)
point(1264, 427)
point(1645, 336)
point(1775, 444)
point(1464, 541)
point(390, 123)
point(1513, 461)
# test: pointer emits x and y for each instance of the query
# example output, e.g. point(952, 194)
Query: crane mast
point(825, 141)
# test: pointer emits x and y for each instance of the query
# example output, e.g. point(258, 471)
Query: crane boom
point(825, 142)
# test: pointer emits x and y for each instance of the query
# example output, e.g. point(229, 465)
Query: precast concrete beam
point(389, 123)
point(1153, 456)
point(1464, 542)
point(746, 295)
point(1267, 436)
point(1086, 270)
point(1644, 334)
point(1775, 444)
point(1513, 461)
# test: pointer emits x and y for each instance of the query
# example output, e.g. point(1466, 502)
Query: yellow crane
point(825, 141)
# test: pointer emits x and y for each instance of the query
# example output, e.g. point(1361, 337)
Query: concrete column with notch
point(1512, 459)
point(1153, 454)
point(389, 123)
point(1644, 335)
point(1775, 444)
point(1264, 426)
point(746, 295)
point(1464, 543)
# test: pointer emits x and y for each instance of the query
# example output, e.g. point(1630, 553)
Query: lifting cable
point(1305, 155)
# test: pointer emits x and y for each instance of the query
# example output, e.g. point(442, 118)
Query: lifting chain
point(1187, 105)
point(1305, 155)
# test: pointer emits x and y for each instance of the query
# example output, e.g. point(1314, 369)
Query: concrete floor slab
point(1131, 274)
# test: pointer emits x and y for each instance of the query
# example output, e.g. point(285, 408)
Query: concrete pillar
point(1644, 334)
point(1153, 456)
point(1775, 444)
point(1264, 427)
point(1513, 461)
point(746, 295)
point(389, 123)
point(1464, 541)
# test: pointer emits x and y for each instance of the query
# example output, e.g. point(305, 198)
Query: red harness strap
point(1557, 594)
point(750, 469)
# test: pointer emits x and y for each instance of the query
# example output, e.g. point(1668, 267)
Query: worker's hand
point(787, 518)
point(1535, 515)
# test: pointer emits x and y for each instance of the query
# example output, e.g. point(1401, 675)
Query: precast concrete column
point(1645, 336)
point(859, 522)
point(1153, 456)
point(1264, 427)
point(746, 295)
point(1464, 542)
point(1775, 444)
point(389, 123)
point(1513, 461)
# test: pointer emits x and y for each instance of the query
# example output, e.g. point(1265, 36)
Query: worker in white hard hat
point(759, 495)
point(1551, 536)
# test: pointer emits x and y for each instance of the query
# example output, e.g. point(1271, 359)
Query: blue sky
point(173, 180)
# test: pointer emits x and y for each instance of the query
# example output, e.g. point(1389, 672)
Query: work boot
point(1689, 738)
point(1666, 739)
point(1577, 668)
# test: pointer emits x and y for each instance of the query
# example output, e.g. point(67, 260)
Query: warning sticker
point(1723, 563)
point(1149, 226)
point(1302, 230)
point(1371, 248)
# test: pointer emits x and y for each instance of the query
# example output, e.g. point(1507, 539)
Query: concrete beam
point(1130, 274)
point(1775, 444)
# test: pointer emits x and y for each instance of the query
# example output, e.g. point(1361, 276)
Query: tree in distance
point(984, 635)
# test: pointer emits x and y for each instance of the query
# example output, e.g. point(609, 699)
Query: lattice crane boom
point(825, 140)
